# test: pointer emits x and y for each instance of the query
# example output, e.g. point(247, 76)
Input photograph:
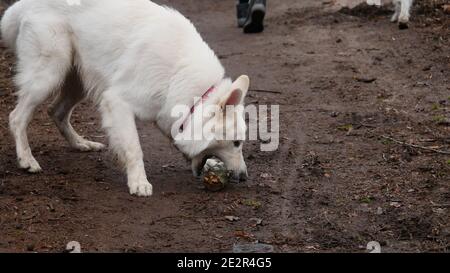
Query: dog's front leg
point(119, 122)
point(403, 18)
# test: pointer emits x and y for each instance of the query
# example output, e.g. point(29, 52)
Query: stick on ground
point(417, 146)
point(265, 91)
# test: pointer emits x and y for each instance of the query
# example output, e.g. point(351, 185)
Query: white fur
point(134, 58)
point(402, 11)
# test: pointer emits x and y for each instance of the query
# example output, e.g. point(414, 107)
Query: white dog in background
point(402, 8)
point(134, 58)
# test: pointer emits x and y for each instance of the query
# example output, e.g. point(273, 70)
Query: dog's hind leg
point(18, 123)
point(61, 110)
point(398, 6)
point(119, 122)
point(43, 62)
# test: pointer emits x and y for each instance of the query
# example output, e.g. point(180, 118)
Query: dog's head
point(224, 129)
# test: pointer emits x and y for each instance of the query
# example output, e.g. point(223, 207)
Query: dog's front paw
point(30, 164)
point(403, 21)
point(403, 24)
point(141, 188)
point(88, 146)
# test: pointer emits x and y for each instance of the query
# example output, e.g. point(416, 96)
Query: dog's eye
point(237, 144)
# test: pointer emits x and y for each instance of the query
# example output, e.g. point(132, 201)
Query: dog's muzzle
point(236, 173)
point(239, 176)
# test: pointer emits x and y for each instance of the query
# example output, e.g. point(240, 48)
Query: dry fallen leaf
point(232, 218)
point(446, 8)
point(244, 235)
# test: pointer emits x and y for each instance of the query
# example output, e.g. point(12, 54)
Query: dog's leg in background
point(398, 6)
point(70, 95)
point(403, 18)
point(119, 122)
point(44, 58)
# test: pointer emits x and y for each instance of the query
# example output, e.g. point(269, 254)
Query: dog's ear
point(238, 91)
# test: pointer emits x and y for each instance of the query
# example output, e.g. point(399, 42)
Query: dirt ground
point(346, 79)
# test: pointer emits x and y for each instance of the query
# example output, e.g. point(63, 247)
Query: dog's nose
point(243, 176)
point(240, 176)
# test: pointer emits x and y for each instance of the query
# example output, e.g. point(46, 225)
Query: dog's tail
point(10, 24)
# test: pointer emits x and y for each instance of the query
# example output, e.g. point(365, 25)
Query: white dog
point(134, 58)
point(402, 12)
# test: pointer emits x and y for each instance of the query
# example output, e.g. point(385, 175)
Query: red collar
point(204, 97)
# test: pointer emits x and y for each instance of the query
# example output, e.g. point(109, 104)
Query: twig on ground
point(265, 91)
point(437, 249)
point(441, 205)
point(417, 146)
point(367, 125)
